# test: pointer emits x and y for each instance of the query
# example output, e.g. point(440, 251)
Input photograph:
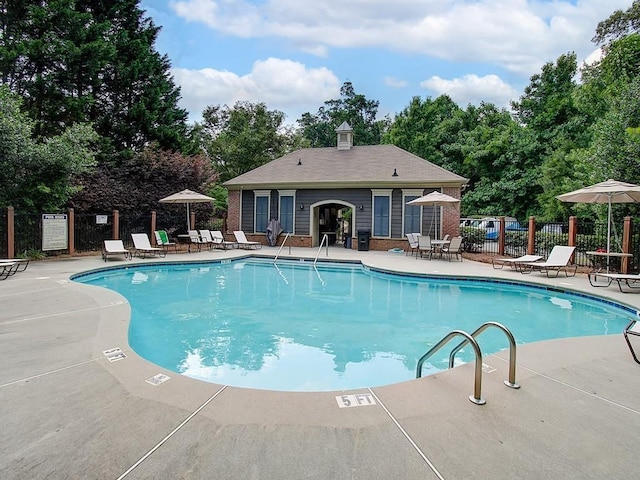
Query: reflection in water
point(297, 327)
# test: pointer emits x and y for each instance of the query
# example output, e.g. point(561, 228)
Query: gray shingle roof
point(361, 166)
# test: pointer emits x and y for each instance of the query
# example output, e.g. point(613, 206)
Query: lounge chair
point(499, 263)
point(7, 269)
point(114, 247)
point(23, 263)
point(243, 242)
point(162, 240)
point(557, 261)
point(630, 280)
point(454, 248)
point(207, 239)
point(412, 238)
point(424, 246)
point(220, 242)
point(142, 246)
point(632, 329)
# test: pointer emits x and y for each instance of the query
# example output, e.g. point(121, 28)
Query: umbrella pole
point(188, 225)
point(608, 233)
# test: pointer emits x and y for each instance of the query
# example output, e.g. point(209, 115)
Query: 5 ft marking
point(357, 400)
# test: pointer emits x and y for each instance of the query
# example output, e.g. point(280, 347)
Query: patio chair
point(632, 281)
point(207, 239)
point(162, 240)
point(412, 238)
point(424, 246)
point(557, 261)
point(499, 263)
point(142, 246)
point(632, 329)
point(195, 239)
point(243, 242)
point(454, 248)
point(115, 247)
point(220, 242)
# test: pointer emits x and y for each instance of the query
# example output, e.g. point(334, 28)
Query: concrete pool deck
point(68, 412)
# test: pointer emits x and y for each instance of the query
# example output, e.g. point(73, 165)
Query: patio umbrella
point(611, 191)
point(187, 197)
point(435, 199)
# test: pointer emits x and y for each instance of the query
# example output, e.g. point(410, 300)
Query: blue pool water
point(295, 327)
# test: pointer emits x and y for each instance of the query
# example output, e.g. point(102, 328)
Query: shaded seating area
point(631, 281)
point(558, 261)
point(499, 263)
point(115, 247)
point(142, 247)
point(241, 238)
point(162, 240)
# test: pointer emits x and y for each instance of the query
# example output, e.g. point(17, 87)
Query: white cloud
point(472, 89)
point(395, 82)
point(518, 35)
point(282, 85)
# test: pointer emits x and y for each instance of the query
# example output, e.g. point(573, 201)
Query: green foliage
point(320, 129)
point(473, 238)
point(243, 137)
point(32, 254)
point(38, 176)
point(618, 25)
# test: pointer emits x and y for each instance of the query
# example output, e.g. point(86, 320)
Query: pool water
point(296, 327)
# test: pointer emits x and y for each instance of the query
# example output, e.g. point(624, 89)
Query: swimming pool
point(296, 327)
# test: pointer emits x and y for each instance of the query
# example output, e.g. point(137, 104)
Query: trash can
point(363, 240)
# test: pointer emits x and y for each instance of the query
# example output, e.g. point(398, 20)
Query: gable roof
point(358, 167)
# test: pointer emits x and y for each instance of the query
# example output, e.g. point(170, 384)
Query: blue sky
point(293, 55)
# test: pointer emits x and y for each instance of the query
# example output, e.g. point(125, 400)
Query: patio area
point(68, 412)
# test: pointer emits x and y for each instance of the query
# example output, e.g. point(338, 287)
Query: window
point(381, 213)
point(261, 215)
point(412, 220)
point(286, 211)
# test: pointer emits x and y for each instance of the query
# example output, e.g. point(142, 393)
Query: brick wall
point(451, 215)
point(233, 211)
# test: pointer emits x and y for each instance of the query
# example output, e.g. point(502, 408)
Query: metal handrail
point(476, 397)
point(324, 237)
point(511, 382)
point(286, 237)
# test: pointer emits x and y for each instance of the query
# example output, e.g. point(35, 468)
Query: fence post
point(531, 240)
point(72, 236)
point(11, 233)
point(192, 220)
point(573, 231)
point(501, 235)
point(115, 229)
point(626, 244)
point(152, 236)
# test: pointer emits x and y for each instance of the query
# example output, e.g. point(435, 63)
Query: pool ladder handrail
point(470, 339)
point(511, 382)
point(325, 239)
point(477, 388)
point(286, 237)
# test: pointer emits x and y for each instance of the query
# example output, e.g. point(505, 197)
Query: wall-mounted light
point(395, 173)
point(361, 207)
point(301, 206)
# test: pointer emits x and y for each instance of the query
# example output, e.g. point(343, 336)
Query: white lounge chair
point(630, 280)
point(7, 269)
point(114, 247)
point(220, 242)
point(412, 238)
point(162, 240)
point(23, 263)
point(142, 246)
point(632, 329)
point(243, 242)
point(207, 239)
point(557, 261)
point(499, 263)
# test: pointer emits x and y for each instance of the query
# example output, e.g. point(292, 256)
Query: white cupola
point(345, 136)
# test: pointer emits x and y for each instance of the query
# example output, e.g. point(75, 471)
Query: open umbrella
point(611, 191)
point(435, 199)
point(187, 197)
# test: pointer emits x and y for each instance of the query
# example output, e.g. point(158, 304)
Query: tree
point(38, 176)
point(353, 108)
point(240, 138)
point(91, 61)
point(618, 25)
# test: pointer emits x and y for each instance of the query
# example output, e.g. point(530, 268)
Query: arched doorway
point(332, 217)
